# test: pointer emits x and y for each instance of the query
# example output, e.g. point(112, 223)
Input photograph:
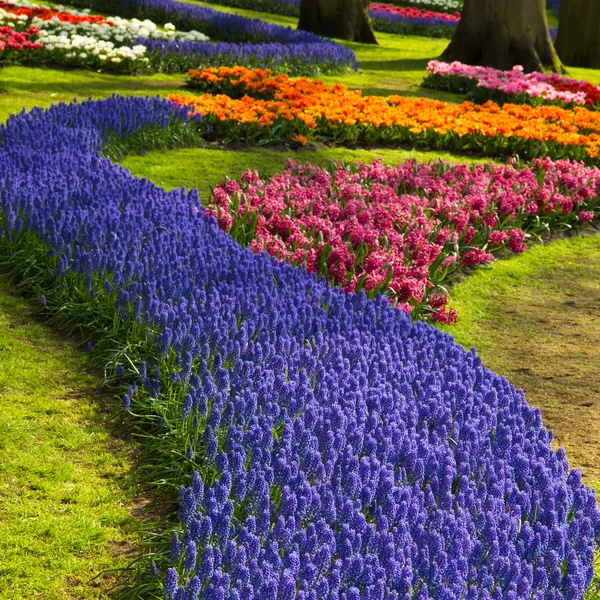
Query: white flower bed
point(95, 44)
point(447, 5)
point(87, 49)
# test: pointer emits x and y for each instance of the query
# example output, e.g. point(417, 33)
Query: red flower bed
point(571, 85)
point(15, 41)
point(47, 14)
point(410, 12)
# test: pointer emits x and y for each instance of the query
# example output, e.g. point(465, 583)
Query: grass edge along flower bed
point(325, 446)
point(243, 104)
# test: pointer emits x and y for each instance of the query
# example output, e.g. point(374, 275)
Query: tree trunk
point(342, 19)
point(502, 34)
point(578, 41)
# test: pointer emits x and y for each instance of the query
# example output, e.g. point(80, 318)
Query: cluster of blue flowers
point(264, 44)
point(338, 451)
point(293, 59)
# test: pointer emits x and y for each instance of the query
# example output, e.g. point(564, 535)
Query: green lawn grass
point(535, 318)
point(65, 485)
point(204, 168)
point(552, 17)
point(27, 87)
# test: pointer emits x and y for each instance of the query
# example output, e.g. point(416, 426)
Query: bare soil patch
point(547, 341)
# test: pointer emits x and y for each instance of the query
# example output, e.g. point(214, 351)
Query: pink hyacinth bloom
point(402, 230)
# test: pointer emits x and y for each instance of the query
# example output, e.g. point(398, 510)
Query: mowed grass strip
point(27, 87)
point(65, 486)
point(535, 318)
point(204, 168)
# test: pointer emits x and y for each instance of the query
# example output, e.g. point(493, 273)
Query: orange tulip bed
point(245, 104)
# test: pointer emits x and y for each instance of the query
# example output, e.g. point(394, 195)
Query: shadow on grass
point(45, 78)
point(400, 65)
point(90, 88)
point(416, 92)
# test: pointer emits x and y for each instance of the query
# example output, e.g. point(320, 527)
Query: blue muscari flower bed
point(293, 59)
point(324, 447)
point(262, 44)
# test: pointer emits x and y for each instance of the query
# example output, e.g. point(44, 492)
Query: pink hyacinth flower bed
point(486, 83)
point(403, 231)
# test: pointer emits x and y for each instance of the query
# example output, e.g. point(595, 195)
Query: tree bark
point(578, 40)
point(502, 34)
point(343, 19)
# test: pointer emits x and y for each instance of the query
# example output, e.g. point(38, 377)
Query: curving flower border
point(241, 103)
point(326, 447)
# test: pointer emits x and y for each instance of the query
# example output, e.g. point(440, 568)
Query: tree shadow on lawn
point(43, 79)
point(400, 65)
